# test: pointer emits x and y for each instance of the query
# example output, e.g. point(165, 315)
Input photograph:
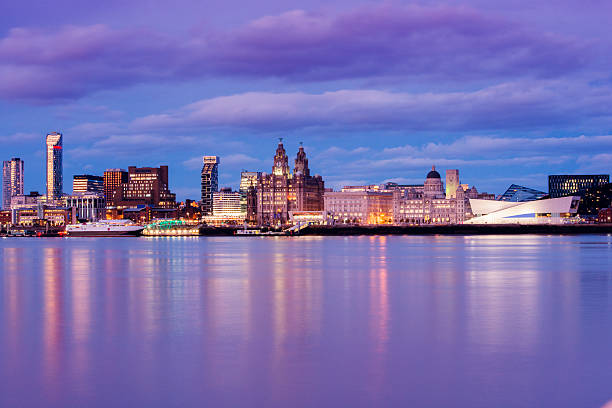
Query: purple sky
point(377, 91)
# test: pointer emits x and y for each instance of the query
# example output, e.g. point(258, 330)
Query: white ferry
point(104, 228)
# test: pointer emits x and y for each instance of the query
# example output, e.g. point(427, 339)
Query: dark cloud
point(419, 43)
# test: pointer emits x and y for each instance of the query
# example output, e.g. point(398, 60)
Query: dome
point(433, 173)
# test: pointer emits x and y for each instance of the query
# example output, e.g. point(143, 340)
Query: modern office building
point(248, 181)
point(564, 185)
point(546, 211)
point(281, 191)
point(226, 208)
point(209, 182)
point(55, 180)
point(12, 180)
point(604, 216)
point(86, 183)
point(113, 179)
point(595, 199)
point(520, 194)
point(146, 186)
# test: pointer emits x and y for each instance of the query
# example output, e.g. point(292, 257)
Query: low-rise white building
point(547, 211)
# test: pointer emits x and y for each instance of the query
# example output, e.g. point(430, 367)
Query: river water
point(431, 321)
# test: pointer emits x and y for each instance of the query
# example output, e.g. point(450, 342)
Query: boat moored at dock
point(104, 228)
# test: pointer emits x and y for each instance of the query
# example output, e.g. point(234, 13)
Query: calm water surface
point(465, 321)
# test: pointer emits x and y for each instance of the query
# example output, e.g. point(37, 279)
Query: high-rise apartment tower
point(113, 178)
point(12, 180)
point(55, 183)
point(210, 182)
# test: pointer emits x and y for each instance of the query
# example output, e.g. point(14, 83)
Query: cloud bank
point(422, 43)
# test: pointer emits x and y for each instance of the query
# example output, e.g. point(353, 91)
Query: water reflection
point(347, 321)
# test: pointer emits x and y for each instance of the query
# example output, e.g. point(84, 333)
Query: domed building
point(433, 205)
point(433, 187)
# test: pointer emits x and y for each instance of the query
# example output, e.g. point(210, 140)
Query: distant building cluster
point(288, 196)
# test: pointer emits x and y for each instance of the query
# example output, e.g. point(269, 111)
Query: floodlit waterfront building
point(55, 177)
point(427, 203)
point(12, 180)
point(281, 191)
point(226, 208)
point(365, 206)
point(432, 204)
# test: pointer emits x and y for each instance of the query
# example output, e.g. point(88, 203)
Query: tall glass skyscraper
point(55, 179)
point(209, 182)
point(12, 180)
point(248, 179)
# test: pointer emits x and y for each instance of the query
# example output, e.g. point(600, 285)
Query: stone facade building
point(281, 191)
point(433, 205)
point(363, 207)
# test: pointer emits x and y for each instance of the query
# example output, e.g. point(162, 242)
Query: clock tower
point(281, 162)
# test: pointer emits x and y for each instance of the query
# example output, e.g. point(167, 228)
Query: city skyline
point(54, 142)
point(376, 91)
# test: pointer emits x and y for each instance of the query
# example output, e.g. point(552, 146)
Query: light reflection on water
point(312, 321)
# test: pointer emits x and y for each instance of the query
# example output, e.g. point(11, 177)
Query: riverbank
point(459, 229)
point(346, 230)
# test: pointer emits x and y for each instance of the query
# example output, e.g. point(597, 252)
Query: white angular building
point(547, 211)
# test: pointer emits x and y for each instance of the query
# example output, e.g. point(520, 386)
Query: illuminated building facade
point(113, 179)
point(595, 199)
point(366, 207)
point(565, 185)
point(432, 204)
point(604, 216)
point(226, 208)
point(12, 180)
point(452, 183)
point(89, 206)
point(281, 191)
point(55, 178)
point(86, 183)
point(42, 214)
point(146, 186)
point(209, 182)
point(248, 181)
